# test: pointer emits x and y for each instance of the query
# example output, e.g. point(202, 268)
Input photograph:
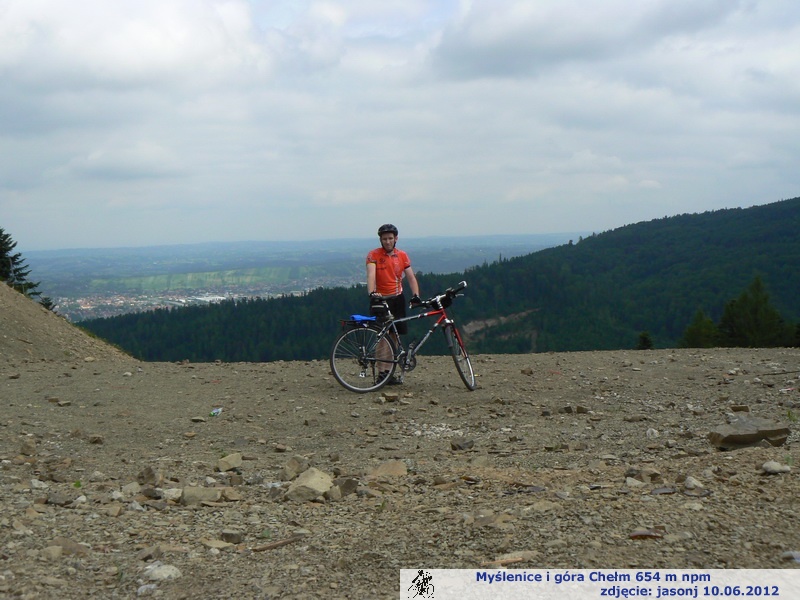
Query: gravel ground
point(571, 460)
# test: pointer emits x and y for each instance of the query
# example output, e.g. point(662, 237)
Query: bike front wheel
point(460, 356)
point(360, 359)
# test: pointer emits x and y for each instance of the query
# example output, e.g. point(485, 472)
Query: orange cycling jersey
point(389, 270)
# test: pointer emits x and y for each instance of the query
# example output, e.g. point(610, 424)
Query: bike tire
point(354, 362)
point(460, 357)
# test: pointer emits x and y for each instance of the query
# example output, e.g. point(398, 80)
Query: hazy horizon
point(361, 241)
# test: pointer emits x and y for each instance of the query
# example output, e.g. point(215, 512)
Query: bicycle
point(368, 348)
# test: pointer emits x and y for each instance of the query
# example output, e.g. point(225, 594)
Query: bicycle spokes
point(359, 358)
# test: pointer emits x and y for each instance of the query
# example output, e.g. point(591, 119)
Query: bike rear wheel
point(460, 356)
point(355, 359)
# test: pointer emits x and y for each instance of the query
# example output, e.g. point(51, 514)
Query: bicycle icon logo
point(421, 585)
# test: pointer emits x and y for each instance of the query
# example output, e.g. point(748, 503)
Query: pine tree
point(645, 341)
point(701, 333)
point(13, 270)
point(750, 321)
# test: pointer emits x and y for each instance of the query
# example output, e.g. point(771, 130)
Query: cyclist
point(386, 267)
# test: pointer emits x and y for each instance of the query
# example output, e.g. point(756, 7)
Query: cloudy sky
point(180, 121)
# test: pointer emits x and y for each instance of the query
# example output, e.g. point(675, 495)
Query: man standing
point(386, 267)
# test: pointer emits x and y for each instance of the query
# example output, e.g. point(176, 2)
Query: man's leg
point(383, 354)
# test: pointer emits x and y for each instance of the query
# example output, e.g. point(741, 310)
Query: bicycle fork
point(448, 323)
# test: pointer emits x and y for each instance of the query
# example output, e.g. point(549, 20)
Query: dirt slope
point(575, 460)
point(31, 333)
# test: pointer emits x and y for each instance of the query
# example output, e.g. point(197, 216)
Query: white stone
point(690, 483)
point(311, 484)
point(198, 495)
point(131, 489)
point(772, 467)
point(173, 494)
point(158, 571)
point(230, 462)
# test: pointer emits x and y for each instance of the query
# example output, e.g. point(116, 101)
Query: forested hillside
point(599, 293)
point(653, 276)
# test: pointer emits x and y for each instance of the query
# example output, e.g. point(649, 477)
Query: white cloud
point(111, 44)
point(236, 119)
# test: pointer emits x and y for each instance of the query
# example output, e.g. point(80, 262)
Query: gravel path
point(117, 483)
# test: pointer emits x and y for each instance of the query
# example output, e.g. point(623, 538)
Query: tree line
point(724, 277)
point(749, 321)
point(304, 327)
point(599, 293)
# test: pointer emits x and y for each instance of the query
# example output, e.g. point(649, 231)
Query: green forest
point(674, 281)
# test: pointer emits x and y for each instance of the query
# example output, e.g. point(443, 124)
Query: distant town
point(112, 304)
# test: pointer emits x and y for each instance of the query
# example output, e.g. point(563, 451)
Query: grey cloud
point(499, 40)
point(688, 17)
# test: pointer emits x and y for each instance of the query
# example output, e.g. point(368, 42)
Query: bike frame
point(391, 327)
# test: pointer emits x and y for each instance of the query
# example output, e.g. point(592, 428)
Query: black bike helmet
point(388, 228)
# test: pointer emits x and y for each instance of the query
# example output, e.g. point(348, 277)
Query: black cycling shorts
point(397, 304)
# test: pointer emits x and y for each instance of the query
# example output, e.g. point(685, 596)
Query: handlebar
point(379, 307)
point(448, 295)
point(462, 285)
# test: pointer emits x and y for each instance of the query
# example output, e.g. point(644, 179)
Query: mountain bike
point(368, 353)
